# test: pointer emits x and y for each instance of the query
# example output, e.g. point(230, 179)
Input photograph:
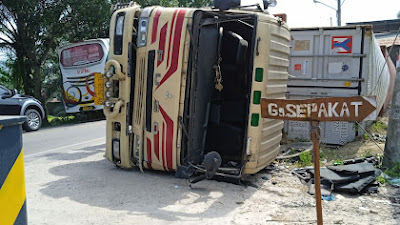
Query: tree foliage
point(31, 29)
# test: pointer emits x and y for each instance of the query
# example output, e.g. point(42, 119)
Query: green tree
point(7, 69)
point(31, 29)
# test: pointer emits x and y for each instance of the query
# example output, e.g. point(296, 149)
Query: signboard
point(356, 108)
point(98, 89)
point(342, 44)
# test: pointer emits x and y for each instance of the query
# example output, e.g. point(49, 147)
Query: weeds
point(305, 159)
point(395, 171)
point(380, 179)
point(60, 120)
point(378, 127)
point(367, 153)
point(337, 162)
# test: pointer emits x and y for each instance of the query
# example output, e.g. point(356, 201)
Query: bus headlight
point(108, 84)
point(109, 74)
point(116, 150)
point(107, 103)
point(108, 94)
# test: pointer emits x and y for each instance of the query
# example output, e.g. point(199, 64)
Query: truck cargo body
point(335, 62)
point(187, 82)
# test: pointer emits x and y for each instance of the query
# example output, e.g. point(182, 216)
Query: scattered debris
point(265, 177)
point(379, 137)
point(293, 150)
point(350, 178)
point(330, 197)
point(395, 182)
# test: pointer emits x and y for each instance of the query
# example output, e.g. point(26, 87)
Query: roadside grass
point(51, 118)
point(60, 120)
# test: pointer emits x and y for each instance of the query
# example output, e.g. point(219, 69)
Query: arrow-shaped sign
point(356, 108)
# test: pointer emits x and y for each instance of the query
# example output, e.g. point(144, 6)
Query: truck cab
point(183, 86)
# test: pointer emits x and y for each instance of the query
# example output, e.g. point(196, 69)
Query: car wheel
point(34, 120)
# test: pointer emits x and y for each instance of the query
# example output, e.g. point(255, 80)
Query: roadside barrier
point(12, 178)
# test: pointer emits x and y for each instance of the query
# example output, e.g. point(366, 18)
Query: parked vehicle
point(12, 103)
point(183, 88)
point(79, 63)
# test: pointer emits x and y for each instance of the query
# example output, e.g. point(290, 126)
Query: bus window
point(81, 55)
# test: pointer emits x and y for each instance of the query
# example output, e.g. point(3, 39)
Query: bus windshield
point(81, 55)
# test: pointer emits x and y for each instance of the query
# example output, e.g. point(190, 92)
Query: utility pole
point(339, 13)
point(392, 147)
point(338, 10)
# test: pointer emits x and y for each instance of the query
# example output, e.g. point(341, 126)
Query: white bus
point(79, 63)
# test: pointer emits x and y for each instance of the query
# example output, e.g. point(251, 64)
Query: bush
point(305, 159)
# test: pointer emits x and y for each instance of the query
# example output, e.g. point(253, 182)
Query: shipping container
point(335, 62)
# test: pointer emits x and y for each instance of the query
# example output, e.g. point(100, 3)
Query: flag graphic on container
point(342, 44)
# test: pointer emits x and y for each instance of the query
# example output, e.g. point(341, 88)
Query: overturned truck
point(182, 88)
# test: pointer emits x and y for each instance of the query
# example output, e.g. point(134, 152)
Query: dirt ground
point(79, 186)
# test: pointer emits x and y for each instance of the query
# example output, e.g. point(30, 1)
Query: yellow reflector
point(347, 83)
point(98, 89)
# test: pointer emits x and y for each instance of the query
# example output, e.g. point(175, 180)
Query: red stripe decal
point(163, 145)
point(170, 36)
point(169, 137)
point(90, 91)
point(155, 26)
point(148, 153)
point(156, 145)
point(176, 48)
point(92, 75)
point(161, 44)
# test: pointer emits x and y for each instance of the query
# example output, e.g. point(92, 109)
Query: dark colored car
point(12, 103)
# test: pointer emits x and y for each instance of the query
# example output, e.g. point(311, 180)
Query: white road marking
point(68, 146)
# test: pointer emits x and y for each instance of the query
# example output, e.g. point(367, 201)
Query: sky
point(306, 13)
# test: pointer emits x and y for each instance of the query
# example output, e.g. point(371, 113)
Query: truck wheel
point(34, 120)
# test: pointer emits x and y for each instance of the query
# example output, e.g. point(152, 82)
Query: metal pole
point(339, 13)
point(392, 146)
point(317, 176)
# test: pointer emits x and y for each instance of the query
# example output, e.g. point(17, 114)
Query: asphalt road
point(62, 138)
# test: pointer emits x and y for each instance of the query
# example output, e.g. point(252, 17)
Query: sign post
point(356, 108)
